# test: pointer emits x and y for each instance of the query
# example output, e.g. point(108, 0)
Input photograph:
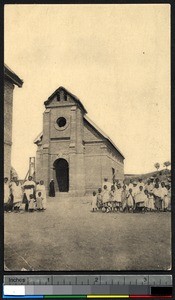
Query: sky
point(114, 58)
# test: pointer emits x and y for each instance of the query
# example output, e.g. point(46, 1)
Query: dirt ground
point(68, 236)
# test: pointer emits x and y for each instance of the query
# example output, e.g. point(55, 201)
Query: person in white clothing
point(29, 187)
point(151, 205)
point(130, 201)
point(130, 186)
point(168, 198)
point(140, 199)
point(135, 189)
point(141, 183)
point(149, 186)
point(163, 195)
point(94, 201)
point(17, 194)
point(107, 183)
point(118, 197)
point(105, 199)
point(41, 188)
point(157, 197)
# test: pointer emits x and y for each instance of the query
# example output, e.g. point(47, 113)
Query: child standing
point(130, 201)
point(31, 203)
point(111, 198)
point(99, 198)
point(124, 198)
point(94, 202)
point(151, 206)
point(39, 200)
point(117, 197)
point(105, 198)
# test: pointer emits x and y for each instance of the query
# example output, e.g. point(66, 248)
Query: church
point(72, 150)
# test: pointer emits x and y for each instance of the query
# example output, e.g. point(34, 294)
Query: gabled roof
point(57, 91)
point(96, 128)
point(38, 138)
point(9, 74)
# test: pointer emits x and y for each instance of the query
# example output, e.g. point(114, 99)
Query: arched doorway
point(61, 167)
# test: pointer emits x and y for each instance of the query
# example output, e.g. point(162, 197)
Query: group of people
point(135, 196)
point(29, 196)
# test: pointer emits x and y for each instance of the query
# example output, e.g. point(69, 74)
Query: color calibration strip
point(89, 297)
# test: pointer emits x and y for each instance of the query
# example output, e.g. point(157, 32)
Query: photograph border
point(107, 272)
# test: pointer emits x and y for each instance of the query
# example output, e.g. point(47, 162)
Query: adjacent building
point(10, 80)
point(72, 150)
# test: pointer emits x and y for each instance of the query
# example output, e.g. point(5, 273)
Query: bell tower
point(62, 142)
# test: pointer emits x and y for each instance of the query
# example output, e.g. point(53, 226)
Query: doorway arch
point(61, 167)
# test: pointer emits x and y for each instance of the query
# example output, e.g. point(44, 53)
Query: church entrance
point(62, 174)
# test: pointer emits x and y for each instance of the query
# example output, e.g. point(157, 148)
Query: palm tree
point(167, 164)
point(157, 166)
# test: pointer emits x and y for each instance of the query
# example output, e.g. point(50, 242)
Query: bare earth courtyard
point(68, 236)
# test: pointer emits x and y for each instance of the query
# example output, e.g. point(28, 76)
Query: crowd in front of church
point(152, 195)
point(29, 196)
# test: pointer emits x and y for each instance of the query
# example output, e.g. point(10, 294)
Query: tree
point(167, 164)
point(157, 166)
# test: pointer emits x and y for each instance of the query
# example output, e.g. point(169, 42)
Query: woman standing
point(51, 188)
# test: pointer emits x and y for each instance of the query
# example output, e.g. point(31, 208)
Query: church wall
point(92, 172)
point(39, 164)
point(8, 107)
point(113, 160)
point(100, 158)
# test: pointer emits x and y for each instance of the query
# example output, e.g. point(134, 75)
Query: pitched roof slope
point(8, 73)
point(104, 135)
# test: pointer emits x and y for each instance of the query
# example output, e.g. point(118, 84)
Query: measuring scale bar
point(70, 285)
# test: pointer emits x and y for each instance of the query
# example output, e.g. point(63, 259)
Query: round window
point(61, 122)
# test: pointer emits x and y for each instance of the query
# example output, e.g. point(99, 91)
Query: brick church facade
point(72, 150)
point(10, 80)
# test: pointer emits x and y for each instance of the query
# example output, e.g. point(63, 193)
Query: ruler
point(122, 285)
point(120, 280)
